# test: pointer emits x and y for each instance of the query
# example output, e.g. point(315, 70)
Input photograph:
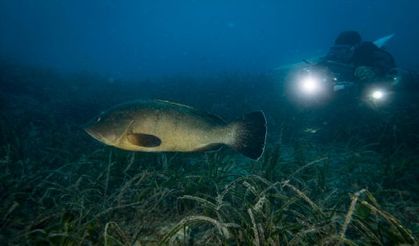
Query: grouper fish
point(162, 126)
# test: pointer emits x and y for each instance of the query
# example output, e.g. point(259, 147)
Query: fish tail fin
point(250, 135)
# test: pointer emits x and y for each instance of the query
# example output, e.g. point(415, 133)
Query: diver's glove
point(365, 74)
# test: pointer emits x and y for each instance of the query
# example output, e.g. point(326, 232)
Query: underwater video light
point(377, 94)
point(310, 85)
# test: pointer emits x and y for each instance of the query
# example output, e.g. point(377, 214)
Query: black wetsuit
point(369, 55)
point(339, 61)
point(344, 59)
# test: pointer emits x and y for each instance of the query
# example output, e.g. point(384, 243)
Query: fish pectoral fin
point(144, 140)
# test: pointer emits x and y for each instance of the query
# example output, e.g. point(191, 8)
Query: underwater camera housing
point(313, 85)
point(316, 84)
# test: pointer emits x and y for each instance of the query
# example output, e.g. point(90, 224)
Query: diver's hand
point(365, 74)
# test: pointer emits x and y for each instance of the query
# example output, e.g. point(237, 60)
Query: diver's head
point(350, 38)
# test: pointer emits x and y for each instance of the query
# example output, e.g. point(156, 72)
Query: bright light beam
point(310, 85)
point(378, 95)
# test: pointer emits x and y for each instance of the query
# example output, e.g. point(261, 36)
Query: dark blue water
point(153, 38)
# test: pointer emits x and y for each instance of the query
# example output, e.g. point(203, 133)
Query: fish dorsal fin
point(143, 140)
point(215, 118)
point(175, 104)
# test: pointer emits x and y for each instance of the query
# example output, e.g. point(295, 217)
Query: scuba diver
point(359, 77)
point(351, 59)
point(364, 66)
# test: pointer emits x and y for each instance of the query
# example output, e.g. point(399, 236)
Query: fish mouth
point(93, 134)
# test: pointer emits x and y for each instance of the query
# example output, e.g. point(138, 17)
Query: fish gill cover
point(340, 161)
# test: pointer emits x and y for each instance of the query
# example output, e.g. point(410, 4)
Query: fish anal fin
point(210, 148)
point(144, 140)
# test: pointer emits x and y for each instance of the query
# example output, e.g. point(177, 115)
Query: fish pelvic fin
point(249, 135)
